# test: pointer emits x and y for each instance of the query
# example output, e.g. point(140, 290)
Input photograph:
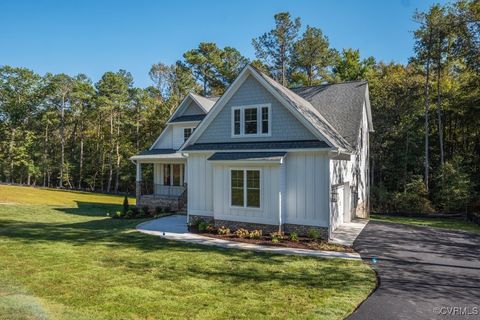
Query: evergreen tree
point(312, 57)
point(275, 48)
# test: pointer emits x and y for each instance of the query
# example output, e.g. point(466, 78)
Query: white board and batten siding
point(307, 189)
point(200, 184)
point(268, 213)
point(297, 191)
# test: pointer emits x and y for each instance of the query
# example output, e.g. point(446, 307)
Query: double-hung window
point(245, 188)
point(251, 120)
point(187, 132)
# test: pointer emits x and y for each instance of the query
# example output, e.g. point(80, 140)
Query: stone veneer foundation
point(162, 202)
point(192, 219)
point(301, 230)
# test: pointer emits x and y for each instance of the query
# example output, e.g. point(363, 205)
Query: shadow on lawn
point(91, 209)
point(110, 232)
point(239, 267)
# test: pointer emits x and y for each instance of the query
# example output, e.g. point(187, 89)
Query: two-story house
point(265, 156)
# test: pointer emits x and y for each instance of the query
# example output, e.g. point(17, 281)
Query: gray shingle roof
point(273, 145)
point(341, 104)
point(308, 111)
point(193, 117)
point(206, 103)
point(247, 156)
point(156, 151)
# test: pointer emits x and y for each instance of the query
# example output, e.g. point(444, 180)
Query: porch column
point(138, 183)
point(185, 173)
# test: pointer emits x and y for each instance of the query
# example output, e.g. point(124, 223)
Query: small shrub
point(211, 228)
point(202, 225)
point(294, 237)
point(118, 215)
point(194, 222)
point(135, 212)
point(276, 237)
point(223, 230)
point(126, 206)
point(313, 233)
point(145, 212)
point(130, 214)
point(255, 234)
point(158, 211)
point(242, 233)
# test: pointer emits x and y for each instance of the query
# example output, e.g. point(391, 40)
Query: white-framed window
point(187, 132)
point(254, 120)
point(173, 174)
point(245, 188)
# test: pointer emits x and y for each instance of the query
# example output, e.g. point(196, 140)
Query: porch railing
point(169, 191)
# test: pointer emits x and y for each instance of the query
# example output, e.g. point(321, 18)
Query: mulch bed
point(302, 243)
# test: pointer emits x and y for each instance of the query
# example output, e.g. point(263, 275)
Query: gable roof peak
point(305, 108)
point(205, 103)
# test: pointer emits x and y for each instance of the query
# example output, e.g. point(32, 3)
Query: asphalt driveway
point(425, 273)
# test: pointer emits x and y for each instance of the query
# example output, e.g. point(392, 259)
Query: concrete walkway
point(346, 233)
point(174, 227)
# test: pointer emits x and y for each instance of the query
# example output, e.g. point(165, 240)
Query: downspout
point(281, 194)
point(280, 199)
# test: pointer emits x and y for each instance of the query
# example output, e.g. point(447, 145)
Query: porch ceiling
point(156, 155)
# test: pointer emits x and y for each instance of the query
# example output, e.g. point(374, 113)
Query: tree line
point(65, 131)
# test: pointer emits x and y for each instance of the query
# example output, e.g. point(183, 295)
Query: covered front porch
point(168, 186)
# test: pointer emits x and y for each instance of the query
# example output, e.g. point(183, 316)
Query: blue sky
point(92, 37)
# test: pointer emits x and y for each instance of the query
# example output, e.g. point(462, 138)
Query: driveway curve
point(424, 273)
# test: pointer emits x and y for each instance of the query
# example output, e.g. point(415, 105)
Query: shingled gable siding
point(284, 124)
point(166, 142)
point(192, 109)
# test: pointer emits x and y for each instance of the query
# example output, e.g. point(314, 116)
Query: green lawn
point(62, 258)
point(444, 223)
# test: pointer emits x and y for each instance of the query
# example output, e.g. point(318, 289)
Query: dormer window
point(251, 120)
point(187, 132)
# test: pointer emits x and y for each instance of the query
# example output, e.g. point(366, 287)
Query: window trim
point(191, 132)
point(245, 205)
point(170, 165)
point(259, 120)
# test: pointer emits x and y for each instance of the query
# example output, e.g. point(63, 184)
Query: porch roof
point(189, 118)
point(156, 154)
point(248, 156)
point(265, 145)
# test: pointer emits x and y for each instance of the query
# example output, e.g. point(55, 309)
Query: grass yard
point(62, 258)
point(444, 223)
